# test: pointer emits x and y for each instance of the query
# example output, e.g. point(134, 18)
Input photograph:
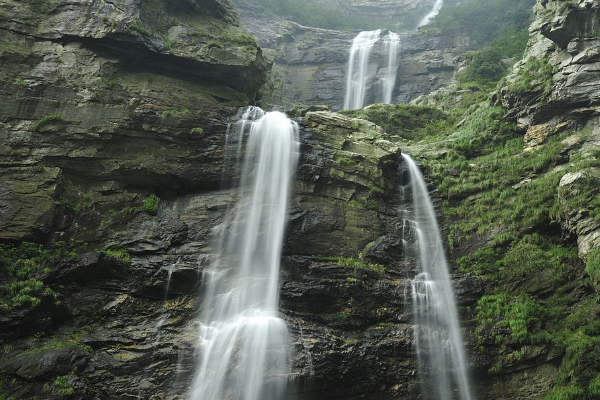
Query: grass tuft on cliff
point(501, 196)
point(405, 120)
point(22, 270)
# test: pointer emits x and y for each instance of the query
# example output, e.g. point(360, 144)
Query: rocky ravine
point(111, 330)
point(108, 104)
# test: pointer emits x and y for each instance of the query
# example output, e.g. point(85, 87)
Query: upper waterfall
point(243, 344)
point(438, 343)
point(437, 6)
point(363, 78)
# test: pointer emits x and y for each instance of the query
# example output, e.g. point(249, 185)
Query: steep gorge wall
point(112, 130)
point(93, 123)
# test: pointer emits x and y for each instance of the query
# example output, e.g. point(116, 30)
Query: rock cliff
point(112, 132)
point(518, 180)
point(310, 63)
point(566, 98)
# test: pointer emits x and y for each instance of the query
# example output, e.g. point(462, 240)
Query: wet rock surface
point(96, 116)
point(124, 328)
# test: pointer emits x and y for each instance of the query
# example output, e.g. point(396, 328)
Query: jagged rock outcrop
point(93, 90)
point(562, 71)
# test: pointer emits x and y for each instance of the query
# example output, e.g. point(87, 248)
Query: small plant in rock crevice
point(46, 119)
point(119, 254)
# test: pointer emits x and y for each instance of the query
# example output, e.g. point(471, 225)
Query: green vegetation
point(75, 200)
point(61, 384)
point(536, 75)
point(368, 204)
point(482, 20)
point(345, 161)
point(197, 130)
point(592, 265)
point(151, 204)
point(594, 387)
point(110, 84)
point(22, 268)
point(506, 198)
point(355, 263)
point(516, 190)
point(488, 66)
point(139, 28)
point(521, 317)
point(7, 383)
point(407, 121)
point(167, 43)
point(122, 255)
point(568, 393)
point(582, 194)
point(59, 343)
point(376, 189)
point(174, 112)
point(45, 119)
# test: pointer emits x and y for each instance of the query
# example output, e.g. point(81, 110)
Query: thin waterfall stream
point(243, 343)
point(437, 339)
point(435, 10)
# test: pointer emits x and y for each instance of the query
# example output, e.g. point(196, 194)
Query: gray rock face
point(566, 99)
point(310, 63)
point(120, 333)
point(92, 90)
point(578, 220)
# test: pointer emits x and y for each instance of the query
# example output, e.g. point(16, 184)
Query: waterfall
point(358, 63)
point(438, 343)
point(361, 75)
point(392, 44)
point(437, 6)
point(243, 344)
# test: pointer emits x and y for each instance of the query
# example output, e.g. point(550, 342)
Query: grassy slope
point(500, 202)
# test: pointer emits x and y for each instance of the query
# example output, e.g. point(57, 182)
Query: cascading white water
point(392, 44)
point(359, 74)
point(438, 343)
point(243, 344)
point(437, 6)
point(358, 63)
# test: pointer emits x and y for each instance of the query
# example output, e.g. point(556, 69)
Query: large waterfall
point(361, 76)
point(243, 344)
point(438, 343)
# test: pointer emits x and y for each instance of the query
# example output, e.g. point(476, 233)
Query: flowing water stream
point(361, 76)
point(438, 344)
point(435, 10)
point(243, 344)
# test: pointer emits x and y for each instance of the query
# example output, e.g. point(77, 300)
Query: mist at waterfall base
point(243, 344)
point(438, 344)
point(363, 83)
